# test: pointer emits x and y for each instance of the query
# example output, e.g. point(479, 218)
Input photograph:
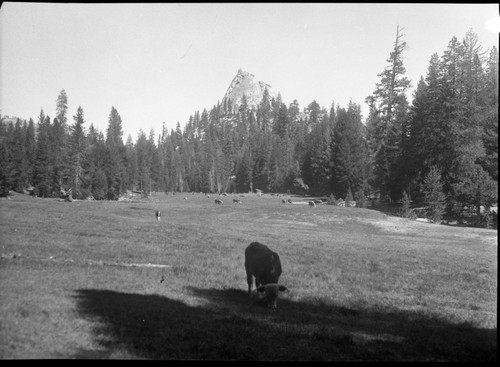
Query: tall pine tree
point(349, 152)
point(43, 166)
point(78, 158)
point(115, 168)
point(388, 104)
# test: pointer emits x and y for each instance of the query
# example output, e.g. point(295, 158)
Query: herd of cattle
point(311, 203)
point(219, 201)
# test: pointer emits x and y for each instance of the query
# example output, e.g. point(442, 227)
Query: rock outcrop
point(245, 83)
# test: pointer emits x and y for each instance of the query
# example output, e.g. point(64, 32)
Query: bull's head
point(272, 291)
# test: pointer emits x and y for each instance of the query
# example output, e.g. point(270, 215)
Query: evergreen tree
point(293, 111)
point(147, 162)
point(179, 153)
point(264, 111)
point(464, 106)
point(415, 150)
point(276, 169)
point(313, 152)
point(78, 159)
point(143, 162)
point(61, 110)
point(161, 158)
point(5, 161)
point(204, 167)
point(348, 152)
point(275, 110)
point(97, 161)
point(318, 174)
point(62, 164)
point(18, 172)
point(313, 110)
point(154, 161)
point(405, 205)
point(59, 157)
point(114, 131)
point(453, 124)
point(281, 123)
point(9, 168)
point(99, 185)
point(331, 117)
point(360, 199)
point(243, 180)
point(41, 176)
point(388, 103)
point(434, 197)
point(115, 168)
point(426, 144)
point(168, 151)
point(132, 164)
point(490, 116)
point(475, 189)
point(204, 122)
point(348, 197)
point(30, 145)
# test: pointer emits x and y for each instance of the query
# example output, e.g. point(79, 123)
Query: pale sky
point(160, 63)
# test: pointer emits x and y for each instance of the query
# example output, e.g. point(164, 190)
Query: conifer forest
point(438, 150)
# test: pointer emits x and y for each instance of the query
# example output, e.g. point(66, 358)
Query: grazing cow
point(263, 264)
point(283, 201)
point(237, 201)
point(290, 201)
point(158, 215)
point(218, 201)
point(312, 203)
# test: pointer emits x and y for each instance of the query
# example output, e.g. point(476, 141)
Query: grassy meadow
point(83, 280)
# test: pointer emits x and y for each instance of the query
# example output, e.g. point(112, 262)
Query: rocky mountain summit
point(246, 83)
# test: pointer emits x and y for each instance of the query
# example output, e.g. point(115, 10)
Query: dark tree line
point(441, 150)
point(450, 131)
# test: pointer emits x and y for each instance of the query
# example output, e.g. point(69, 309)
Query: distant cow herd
point(311, 203)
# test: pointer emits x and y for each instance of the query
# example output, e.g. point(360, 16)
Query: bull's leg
point(249, 281)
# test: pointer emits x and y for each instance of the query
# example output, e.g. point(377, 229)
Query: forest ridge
point(440, 150)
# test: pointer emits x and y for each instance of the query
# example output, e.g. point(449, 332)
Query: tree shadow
point(230, 326)
point(138, 208)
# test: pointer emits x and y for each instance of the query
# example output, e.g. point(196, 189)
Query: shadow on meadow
point(228, 326)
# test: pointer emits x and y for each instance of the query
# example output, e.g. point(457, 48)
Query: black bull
point(263, 264)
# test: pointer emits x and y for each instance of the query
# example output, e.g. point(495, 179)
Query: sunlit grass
point(363, 286)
